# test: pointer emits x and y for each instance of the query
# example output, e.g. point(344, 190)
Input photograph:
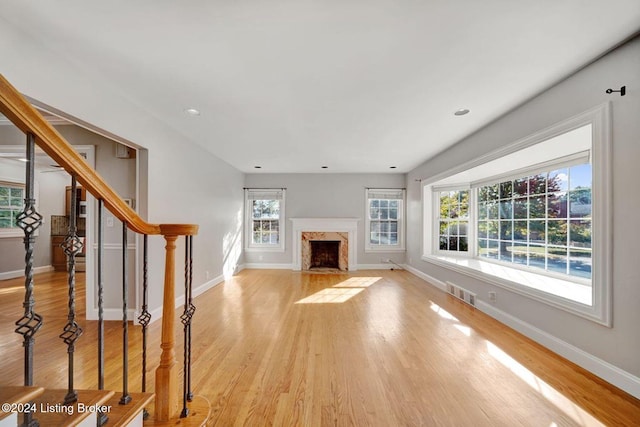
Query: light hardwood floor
point(372, 348)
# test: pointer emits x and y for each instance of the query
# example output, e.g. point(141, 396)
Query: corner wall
point(609, 352)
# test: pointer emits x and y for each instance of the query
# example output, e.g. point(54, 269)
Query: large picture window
point(542, 221)
point(265, 219)
point(533, 217)
point(384, 219)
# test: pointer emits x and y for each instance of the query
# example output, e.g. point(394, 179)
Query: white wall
point(613, 352)
point(324, 195)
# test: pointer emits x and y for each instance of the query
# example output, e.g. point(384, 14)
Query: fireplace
point(324, 254)
point(341, 230)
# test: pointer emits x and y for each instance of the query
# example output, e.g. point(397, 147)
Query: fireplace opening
point(325, 254)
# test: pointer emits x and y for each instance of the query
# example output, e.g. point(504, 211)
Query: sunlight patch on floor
point(442, 312)
point(464, 329)
point(572, 410)
point(561, 402)
point(340, 292)
point(357, 282)
point(11, 290)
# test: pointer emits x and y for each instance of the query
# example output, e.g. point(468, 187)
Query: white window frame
point(436, 215)
point(14, 231)
point(269, 194)
point(566, 293)
point(370, 193)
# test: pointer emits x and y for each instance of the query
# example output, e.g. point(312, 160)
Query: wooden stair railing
point(22, 114)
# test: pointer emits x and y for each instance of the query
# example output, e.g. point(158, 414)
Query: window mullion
point(473, 223)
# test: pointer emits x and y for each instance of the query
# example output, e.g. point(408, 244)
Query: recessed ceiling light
point(325, 167)
point(392, 167)
point(257, 167)
point(461, 112)
point(192, 112)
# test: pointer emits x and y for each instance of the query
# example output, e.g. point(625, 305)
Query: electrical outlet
point(493, 297)
point(109, 221)
point(206, 273)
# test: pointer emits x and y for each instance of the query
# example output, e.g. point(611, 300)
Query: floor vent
point(461, 294)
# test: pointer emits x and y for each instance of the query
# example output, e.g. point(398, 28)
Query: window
point(453, 221)
point(265, 219)
point(384, 219)
point(11, 205)
point(533, 217)
point(541, 221)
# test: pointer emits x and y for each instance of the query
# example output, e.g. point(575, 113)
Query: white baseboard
point(156, 314)
point(20, 273)
point(266, 266)
point(385, 266)
point(429, 279)
point(608, 372)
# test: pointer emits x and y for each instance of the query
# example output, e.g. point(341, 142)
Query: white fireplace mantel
point(300, 225)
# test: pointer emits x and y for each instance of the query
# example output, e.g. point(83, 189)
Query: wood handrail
point(22, 114)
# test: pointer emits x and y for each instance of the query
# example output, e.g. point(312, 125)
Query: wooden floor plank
point(270, 349)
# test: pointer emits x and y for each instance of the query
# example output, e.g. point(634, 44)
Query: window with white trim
point(11, 205)
point(533, 217)
point(264, 219)
point(453, 220)
point(384, 219)
point(541, 221)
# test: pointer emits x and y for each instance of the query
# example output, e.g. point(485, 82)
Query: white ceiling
point(358, 86)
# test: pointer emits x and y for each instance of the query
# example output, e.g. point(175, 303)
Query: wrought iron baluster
point(72, 246)
point(187, 316)
point(102, 417)
point(126, 398)
point(192, 310)
point(145, 317)
point(29, 220)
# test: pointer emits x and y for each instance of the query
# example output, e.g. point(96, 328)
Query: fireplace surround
point(343, 230)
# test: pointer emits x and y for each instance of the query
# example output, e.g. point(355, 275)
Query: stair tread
point(121, 415)
point(18, 394)
point(199, 414)
point(51, 411)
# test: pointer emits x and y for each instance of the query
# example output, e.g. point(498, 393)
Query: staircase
point(174, 402)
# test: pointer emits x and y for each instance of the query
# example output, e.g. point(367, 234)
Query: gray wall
point(50, 193)
point(324, 195)
point(185, 184)
point(120, 174)
point(620, 345)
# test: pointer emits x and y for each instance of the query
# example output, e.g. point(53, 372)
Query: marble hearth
point(343, 230)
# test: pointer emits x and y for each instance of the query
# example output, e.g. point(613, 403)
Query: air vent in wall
point(461, 293)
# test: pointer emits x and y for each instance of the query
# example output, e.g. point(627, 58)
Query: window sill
point(16, 232)
point(567, 295)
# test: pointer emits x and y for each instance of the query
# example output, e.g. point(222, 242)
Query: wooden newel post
point(167, 383)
